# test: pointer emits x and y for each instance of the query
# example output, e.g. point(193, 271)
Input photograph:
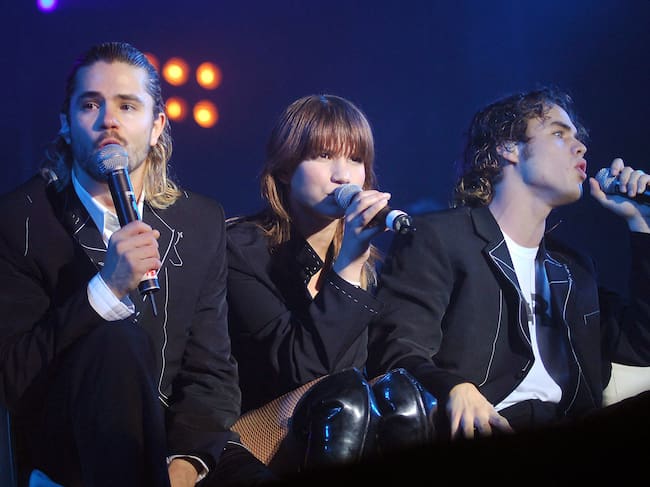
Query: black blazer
point(49, 250)
point(281, 337)
point(454, 312)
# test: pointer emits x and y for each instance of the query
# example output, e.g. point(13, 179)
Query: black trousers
point(96, 419)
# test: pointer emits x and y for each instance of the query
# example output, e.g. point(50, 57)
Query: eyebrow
point(562, 125)
point(123, 97)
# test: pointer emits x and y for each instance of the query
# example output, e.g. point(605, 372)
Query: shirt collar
point(105, 220)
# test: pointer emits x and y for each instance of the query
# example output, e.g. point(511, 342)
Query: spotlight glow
point(206, 114)
point(175, 71)
point(208, 75)
point(176, 108)
point(46, 5)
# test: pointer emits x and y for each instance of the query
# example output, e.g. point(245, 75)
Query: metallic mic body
point(396, 220)
point(113, 162)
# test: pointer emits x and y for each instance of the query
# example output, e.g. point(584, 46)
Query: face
point(110, 104)
point(552, 162)
point(314, 181)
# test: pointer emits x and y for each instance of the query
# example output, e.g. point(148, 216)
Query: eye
point(559, 133)
point(325, 155)
point(89, 105)
point(127, 107)
point(358, 160)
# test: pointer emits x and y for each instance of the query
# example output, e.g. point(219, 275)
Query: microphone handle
point(124, 200)
point(126, 208)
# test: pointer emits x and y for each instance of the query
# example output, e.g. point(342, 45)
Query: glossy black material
point(336, 421)
point(406, 410)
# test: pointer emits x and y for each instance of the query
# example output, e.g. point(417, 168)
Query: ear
point(64, 131)
point(509, 150)
point(158, 126)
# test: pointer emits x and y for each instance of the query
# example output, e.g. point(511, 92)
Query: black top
point(281, 337)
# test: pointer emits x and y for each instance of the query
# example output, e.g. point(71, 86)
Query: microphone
point(395, 220)
point(113, 163)
point(610, 185)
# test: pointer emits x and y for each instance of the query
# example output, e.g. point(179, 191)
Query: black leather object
point(406, 410)
point(336, 421)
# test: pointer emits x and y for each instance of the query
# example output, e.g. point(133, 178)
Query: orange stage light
point(208, 75)
point(153, 60)
point(206, 114)
point(176, 108)
point(175, 71)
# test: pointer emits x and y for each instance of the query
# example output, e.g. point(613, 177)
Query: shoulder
point(201, 211)
point(245, 233)
point(26, 195)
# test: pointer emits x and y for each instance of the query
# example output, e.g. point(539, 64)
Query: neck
point(520, 215)
point(100, 190)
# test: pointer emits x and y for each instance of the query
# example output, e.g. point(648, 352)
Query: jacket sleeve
point(416, 286)
point(38, 322)
point(297, 343)
point(206, 399)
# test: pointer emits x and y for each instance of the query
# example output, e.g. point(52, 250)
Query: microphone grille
point(345, 193)
point(112, 157)
point(606, 181)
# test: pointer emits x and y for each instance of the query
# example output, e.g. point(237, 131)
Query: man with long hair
point(102, 389)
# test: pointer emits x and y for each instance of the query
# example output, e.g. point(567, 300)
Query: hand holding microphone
point(629, 184)
point(396, 220)
point(134, 243)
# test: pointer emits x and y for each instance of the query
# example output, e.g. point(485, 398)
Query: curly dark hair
point(503, 121)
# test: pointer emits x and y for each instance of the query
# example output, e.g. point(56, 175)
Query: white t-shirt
point(538, 384)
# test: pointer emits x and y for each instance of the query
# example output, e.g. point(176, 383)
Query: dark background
point(418, 69)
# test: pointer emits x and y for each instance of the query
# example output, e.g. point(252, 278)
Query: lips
point(106, 142)
point(582, 169)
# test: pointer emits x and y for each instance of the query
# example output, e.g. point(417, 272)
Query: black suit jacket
point(454, 312)
point(50, 249)
point(282, 338)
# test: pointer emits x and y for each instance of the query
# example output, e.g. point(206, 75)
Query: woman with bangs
point(302, 270)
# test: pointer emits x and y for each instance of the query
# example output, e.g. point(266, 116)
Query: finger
point(596, 191)
point(616, 166)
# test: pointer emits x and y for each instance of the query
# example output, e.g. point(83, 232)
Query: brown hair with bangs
point(308, 127)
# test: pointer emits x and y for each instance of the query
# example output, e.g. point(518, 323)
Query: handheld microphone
point(396, 220)
point(113, 163)
point(610, 185)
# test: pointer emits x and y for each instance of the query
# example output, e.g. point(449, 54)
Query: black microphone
point(610, 185)
point(396, 220)
point(113, 163)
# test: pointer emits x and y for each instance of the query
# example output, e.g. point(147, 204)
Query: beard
point(89, 160)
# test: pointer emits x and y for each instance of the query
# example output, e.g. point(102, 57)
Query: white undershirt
point(537, 384)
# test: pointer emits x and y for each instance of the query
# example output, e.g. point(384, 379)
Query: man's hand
point(182, 473)
point(469, 411)
point(132, 252)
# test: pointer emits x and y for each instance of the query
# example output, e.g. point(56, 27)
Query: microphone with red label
point(396, 220)
point(114, 162)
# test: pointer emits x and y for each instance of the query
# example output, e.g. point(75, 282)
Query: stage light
point(205, 114)
point(46, 5)
point(208, 75)
point(175, 71)
point(176, 108)
point(153, 60)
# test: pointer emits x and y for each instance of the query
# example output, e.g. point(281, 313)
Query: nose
point(110, 119)
point(340, 171)
point(581, 148)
